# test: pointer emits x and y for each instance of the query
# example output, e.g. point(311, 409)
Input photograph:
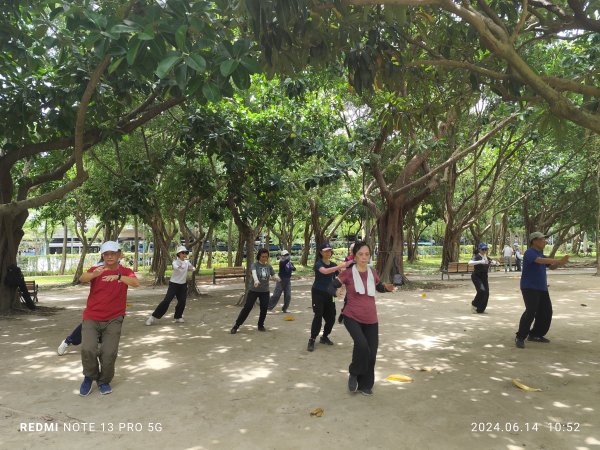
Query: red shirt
point(360, 307)
point(107, 299)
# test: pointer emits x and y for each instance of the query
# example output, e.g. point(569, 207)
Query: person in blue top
point(323, 303)
point(286, 267)
point(534, 287)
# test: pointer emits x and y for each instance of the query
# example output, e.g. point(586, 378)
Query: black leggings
point(364, 354)
point(263, 298)
point(538, 307)
point(324, 309)
point(174, 290)
point(483, 291)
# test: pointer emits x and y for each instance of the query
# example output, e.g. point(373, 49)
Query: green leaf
point(115, 65)
point(211, 92)
point(241, 78)
point(241, 47)
point(251, 64)
point(134, 46)
point(196, 62)
point(181, 77)
point(122, 28)
point(228, 67)
point(165, 66)
point(180, 37)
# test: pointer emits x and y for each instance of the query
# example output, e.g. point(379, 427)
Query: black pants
point(364, 354)
point(538, 307)
point(480, 280)
point(174, 290)
point(263, 298)
point(324, 309)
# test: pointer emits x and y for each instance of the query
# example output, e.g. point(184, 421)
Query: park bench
point(228, 272)
point(32, 287)
point(513, 260)
point(455, 268)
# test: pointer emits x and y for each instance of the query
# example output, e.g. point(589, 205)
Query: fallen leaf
point(289, 318)
point(583, 304)
point(520, 385)
point(318, 412)
point(401, 378)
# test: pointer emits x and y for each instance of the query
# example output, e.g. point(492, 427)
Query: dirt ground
point(195, 386)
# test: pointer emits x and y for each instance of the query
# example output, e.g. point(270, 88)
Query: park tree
point(76, 73)
point(532, 52)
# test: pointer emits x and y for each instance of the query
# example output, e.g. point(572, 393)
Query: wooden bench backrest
point(457, 267)
point(230, 270)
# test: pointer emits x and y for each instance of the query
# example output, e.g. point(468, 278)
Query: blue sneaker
point(86, 387)
point(105, 388)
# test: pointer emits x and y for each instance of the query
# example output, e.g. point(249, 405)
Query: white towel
point(358, 283)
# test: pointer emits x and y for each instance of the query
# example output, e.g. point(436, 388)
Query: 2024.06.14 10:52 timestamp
point(516, 427)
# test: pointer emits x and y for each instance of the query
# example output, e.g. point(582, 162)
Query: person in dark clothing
point(262, 271)
point(534, 287)
point(480, 278)
point(323, 303)
point(286, 267)
point(72, 339)
point(14, 278)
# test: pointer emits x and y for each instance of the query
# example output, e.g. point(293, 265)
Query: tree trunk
point(451, 249)
point(63, 259)
point(210, 249)
point(230, 242)
point(136, 240)
point(11, 233)
point(598, 219)
point(306, 247)
point(391, 243)
point(239, 255)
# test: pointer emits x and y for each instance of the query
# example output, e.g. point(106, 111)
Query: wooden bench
point(32, 287)
point(228, 272)
point(457, 267)
point(513, 260)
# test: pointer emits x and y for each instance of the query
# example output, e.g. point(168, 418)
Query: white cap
point(180, 249)
point(284, 253)
point(109, 246)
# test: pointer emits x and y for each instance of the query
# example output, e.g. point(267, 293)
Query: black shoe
point(233, 330)
point(366, 391)
point(352, 383)
point(311, 345)
point(325, 340)
point(520, 343)
point(283, 310)
point(261, 328)
point(538, 339)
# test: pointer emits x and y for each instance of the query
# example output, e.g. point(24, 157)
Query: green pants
point(99, 364)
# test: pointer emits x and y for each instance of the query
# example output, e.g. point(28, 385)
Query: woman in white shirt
point(177, 288)
point(480, 278)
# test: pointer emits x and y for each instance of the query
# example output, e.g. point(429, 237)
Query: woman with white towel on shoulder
point(360, 317)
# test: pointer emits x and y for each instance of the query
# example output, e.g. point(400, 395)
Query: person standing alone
point(534, 287)
point(479, 277)
point(507, 255)
point(177, 288)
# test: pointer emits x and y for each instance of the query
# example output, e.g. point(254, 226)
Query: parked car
point(296, 248)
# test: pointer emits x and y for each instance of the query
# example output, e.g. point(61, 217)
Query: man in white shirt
point(507, 254)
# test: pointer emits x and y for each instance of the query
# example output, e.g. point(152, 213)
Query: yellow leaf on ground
point(401, 378)
point(318, 412)
point(520, 385)
point(289, 318)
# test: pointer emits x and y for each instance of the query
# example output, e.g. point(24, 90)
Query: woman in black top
point(480, 279)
